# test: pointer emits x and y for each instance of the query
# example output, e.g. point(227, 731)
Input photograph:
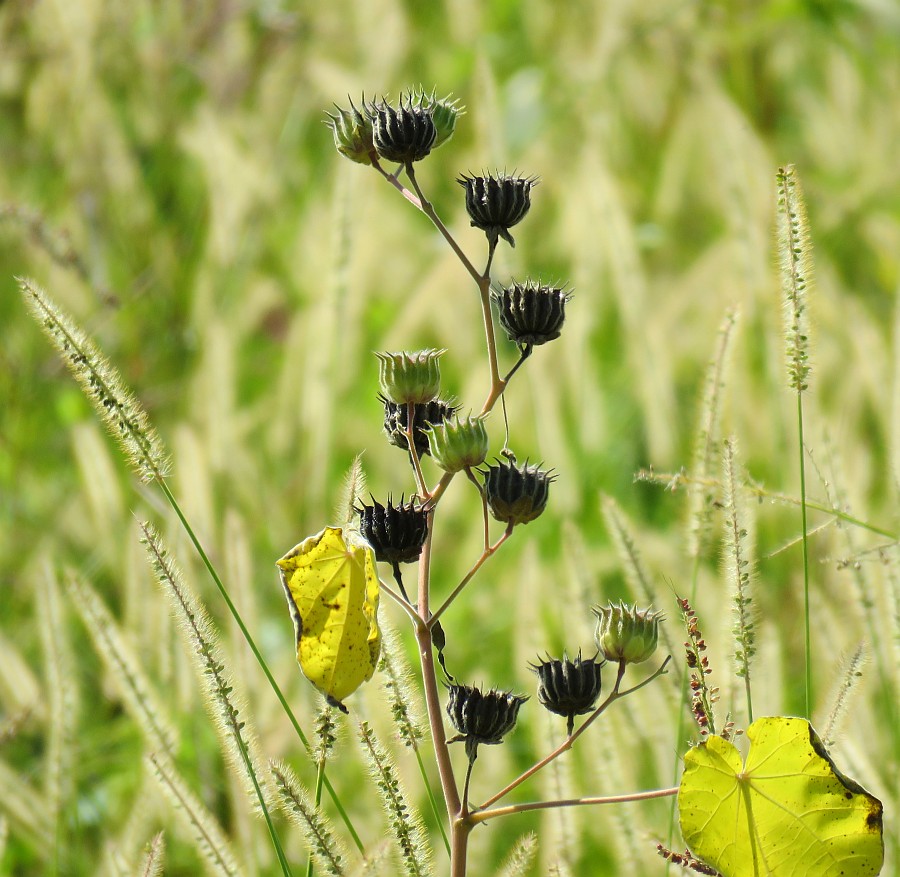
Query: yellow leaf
point(786, 812)
point(332, 590)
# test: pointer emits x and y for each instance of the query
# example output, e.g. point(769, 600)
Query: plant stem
point(567, 744)
point(256, 653)
point(413, 453)
point(484, 508)
point(426, 207)
point(675, 480)
point(484, 815)
point(432, 799)
point(320, 777)
point(488, 552)
point(429, 681)
point(808, 649)
point(459, 846)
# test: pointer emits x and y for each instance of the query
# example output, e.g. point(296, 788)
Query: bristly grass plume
point(739, 569)
point(796, 267)
point(794, 249)
point(120, 411)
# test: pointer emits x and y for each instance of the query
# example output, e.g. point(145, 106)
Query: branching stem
point(567, 744)
point(484, 815)
point(488, 552)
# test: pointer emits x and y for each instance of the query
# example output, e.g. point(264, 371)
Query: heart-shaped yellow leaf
point(332, 590)
point(787, 812)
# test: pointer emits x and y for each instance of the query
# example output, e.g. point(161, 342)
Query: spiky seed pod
point(410, 377)
point(496, 203)
point(516, 494)
point(568, 688)
point(444, 113)
point(482, 716)
point(424, 415)
point(458, 444)
point(403, 134)
point(352, 132)
point(531, 313)
point(626, 633)
point(395, 532)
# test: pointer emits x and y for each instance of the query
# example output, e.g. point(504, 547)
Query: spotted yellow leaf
point(332, 591)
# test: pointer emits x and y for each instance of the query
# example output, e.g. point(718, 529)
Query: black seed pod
point(496, 203)
point(424, 415)
point(403, 134)
point(482, 716)
point(568, 688)
point(531, 313)
point(396, 533)
point(516, 494)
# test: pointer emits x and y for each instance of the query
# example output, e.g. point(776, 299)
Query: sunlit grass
point(238, 273)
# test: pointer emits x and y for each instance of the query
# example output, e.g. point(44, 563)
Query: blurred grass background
point(239, 272)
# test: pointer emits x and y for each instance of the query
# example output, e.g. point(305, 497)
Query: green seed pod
point(496, 203)
point(410, 377)
point(458, 444)
point(403, 134)
point(352, 132)
point(531, 313)
point(516, 494)
point(626, 633)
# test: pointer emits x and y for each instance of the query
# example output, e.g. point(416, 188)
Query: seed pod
point(410, 377)
point(626, 633)
point(395, 533)
point(352, 132)
point(482, 717)
point(496, 203)
point(444, 113)
point(424, 415)
point(531, 313)
point(403, 134)
point(516, 494)
point(568, 688)
point(458, 444)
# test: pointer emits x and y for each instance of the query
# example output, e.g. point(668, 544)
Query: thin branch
point(484, 815)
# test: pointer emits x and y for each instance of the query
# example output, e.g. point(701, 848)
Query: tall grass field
point(173, 210)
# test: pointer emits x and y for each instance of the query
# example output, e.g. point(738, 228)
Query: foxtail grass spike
point(208, 837)
point(353, 488)
point(796, 273)
point(216, 682)
point(702, 497)
point(61, 695)
point(739, 566)
point(137, 692)
point(396, 678)
point(847, 681)
point(405, 823)
point(520, 857)
point(794, 250)
point(297, 804)
point(406, 709)
point(121, 413)
point(326, 732)
point(152, 863)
